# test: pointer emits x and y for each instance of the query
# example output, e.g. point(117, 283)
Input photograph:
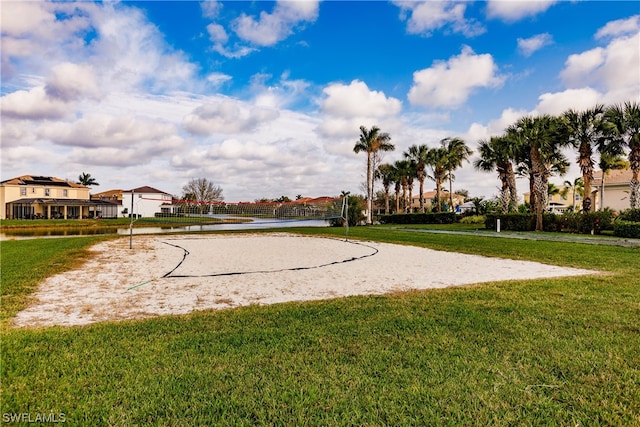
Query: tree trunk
point(634, 194)
point(369, 190)
point(421, 193)
point(539, 185)
point(505, 195)
point(513, 191)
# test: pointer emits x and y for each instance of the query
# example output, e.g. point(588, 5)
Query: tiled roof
point(41, 180)
point(145, 189)
point(620, 176)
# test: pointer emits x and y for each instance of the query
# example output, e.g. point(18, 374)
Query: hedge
point(522, 222)
point(419, 218)
point(623, 228)
point(630, 215)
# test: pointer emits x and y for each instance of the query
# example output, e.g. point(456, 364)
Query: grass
point(544, 352)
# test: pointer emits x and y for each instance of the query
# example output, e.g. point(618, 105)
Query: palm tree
point(622, 129)
point(86, 179)
point(540, 135)
point(457, 152)
point(371, 141)
point(418, 154)
point(404, 170)
point(493, 156)
point(576, 187)
point(386, 172)
point(607, 163)
point(437, 161)
point(583, 130)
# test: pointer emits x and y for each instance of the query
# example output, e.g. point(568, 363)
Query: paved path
point(572, 238)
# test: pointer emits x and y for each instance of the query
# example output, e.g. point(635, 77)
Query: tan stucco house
point(614, 194)
point(33, 196)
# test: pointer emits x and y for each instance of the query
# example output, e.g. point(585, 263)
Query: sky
point(266, 99)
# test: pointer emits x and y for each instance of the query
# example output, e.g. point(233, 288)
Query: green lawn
point(543, 352)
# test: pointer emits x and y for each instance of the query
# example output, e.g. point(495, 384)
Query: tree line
point(533, 146)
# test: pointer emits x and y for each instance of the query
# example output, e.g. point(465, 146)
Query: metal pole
point(346, 219)
point(131, 223)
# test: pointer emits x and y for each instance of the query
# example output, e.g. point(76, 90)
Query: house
point(111, 203)
point(562, 201)
point(33, 196)
point(614, 191)
point(429, 197)
point(147, 202)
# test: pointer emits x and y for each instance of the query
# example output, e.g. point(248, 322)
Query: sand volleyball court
point(182, 273)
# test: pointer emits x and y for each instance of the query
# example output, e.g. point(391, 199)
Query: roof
point(432, 194)
point(58, 202)
point(47, 181)
point(146, 189)
point(619, 176)
point(108, 193)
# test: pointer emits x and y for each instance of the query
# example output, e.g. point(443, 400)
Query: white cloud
point(559, 102)
point(33, 104)
point(70, 82)
point(613, 70)
point(217, 33)
point(226, 116)
point(428, 16)
point(101, 130)
point(620, 27)
point(218, 79)
point(210, 8)
point(496, 127)
point(449, 84)
point(515, 10)
point(270, 28)
point(356, 99)
point(532, 44)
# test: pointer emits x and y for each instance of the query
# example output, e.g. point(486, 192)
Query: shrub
point(623, 228)
point(473, 219)
point(522, 222)
point(419, 218)
point(630, 215)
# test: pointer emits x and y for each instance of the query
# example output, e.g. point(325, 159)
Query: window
point(23, 191)
point(65, 193)
point(47, 192)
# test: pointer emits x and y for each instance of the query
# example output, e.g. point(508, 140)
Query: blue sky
point(266, 98)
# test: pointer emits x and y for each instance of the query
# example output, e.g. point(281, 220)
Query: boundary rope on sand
point(238, 273)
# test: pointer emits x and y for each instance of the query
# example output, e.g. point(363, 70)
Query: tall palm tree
point(583, 130)
point(457, 152)
point(493, 156)
point(418, 154)
point(540, 135)
point(437, 161)
point(607, 163)
point(623, 130)
point(86, 179)
point(371, 142)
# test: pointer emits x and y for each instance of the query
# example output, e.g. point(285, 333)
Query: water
point(254, 223)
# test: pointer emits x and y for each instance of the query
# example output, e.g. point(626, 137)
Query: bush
point(473, 219)
point(630, 215)
point(623, 228)
point(522, 222)
point(584, 223)
point(419, 218)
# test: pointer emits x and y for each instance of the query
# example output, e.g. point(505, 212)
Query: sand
point(179, 274)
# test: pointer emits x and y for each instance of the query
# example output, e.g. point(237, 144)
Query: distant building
point(47, 197)
point(147, 202)
point(429, 197)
